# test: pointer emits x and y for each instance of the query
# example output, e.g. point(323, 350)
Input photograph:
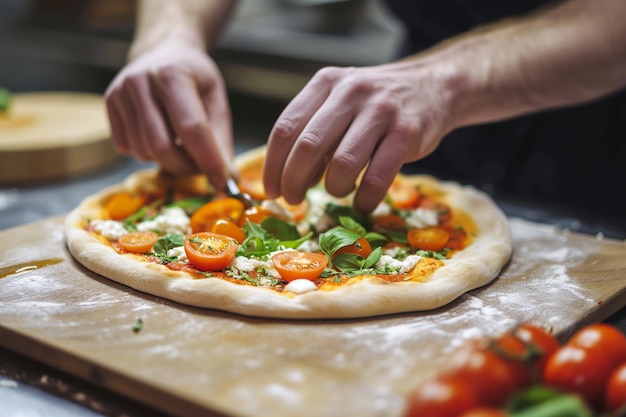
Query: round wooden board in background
point(54, 135)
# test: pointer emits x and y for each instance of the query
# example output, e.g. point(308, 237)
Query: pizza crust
point(473, 267)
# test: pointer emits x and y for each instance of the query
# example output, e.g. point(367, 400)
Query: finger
point(190, 123)
point(128, 114)
point(118, 135)
point(357, 148)
point(380, 173)
point(155, 133)
point(286, 130)
point(217, 109)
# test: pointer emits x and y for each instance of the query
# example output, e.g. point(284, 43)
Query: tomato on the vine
point(604, 337)
point(209, 251)
point(294, 264)
point(615, 397)
point(361, 247)
point(543, 343)
point(441, 398)
point(428, 238)
point(581, 371)
point(493, 378)
point(138, 242)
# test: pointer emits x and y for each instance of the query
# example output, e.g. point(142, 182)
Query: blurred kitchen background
point(269, 51)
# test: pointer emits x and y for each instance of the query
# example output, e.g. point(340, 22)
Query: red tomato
point(493, 379)
point(603, 337)
point(403, 195)
point(209, 251)
point(225, 226)
point(122, 205)
point(440, 398)
point(139, 242)
point(616, 390)
point(293, 264)
point(485, 412)
point(580, 371)
point(361, 247)
point(256, 214)
point(518, 356)
point(541, 342)
point(428, 238)
point(228, 207)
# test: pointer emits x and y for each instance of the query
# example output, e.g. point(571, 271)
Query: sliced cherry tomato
point(295, 264)
point(123, 204)
point(251, 182)
point(256, 214)
point(603, 337)
point(228, 207)
point(209, 251)
point(441, 398)
point(225, 226)
point(616, 389)
point(493, 378)
point(541, 342)
point(428, 238)
point(139, 242)
point(403, 195)
point(389, 223)
point(361, 247)
point(580, 371)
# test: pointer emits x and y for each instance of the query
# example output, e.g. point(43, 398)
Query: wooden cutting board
point(53, 135)
point(190, 362)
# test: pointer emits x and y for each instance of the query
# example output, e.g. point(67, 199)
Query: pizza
point(177, 238)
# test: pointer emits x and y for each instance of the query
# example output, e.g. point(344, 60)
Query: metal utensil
point(232, 190)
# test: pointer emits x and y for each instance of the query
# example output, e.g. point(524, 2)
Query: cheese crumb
point(111, 229)
point(171, 220)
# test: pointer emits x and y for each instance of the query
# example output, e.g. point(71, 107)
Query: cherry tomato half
point(293, 264)
point(616, 389)
point(440, 398)
point(202, 218)
point(123, 204)
point(209, 251)
point(389, 223)
point(580, 371)
point(251, 182)
point(403, 195)
point(361, 247)
point(603, 337)
point(225, 226)
point(428, 238)
point(138, 242)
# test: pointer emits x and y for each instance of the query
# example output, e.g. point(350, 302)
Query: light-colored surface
point(186, 360)
point(51, 135)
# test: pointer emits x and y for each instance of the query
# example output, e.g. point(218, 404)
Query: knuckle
point(309, 141)
point(191, 130)
point(283, 129)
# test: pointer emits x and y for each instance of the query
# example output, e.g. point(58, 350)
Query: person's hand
point(347, 120)
point(169, 105)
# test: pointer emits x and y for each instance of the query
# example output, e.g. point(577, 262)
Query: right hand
point(169, 105)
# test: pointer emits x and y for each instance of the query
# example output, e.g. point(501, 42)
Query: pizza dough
point(470, 268)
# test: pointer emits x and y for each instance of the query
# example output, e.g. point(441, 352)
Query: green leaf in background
point(5, 100)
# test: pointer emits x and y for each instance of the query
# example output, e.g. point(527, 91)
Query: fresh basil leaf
point(376, 239)
point(167, 242)
point(347, 262)
point(399, 237)
point(293, 244)
point(336, 238)
point(336, 211)
point(131, 221)
point(255, 230)
point(253, 246)
point(373, 258)
point(352, 225)
point(280, 229)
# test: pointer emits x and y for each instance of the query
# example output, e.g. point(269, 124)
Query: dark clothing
point(573, 156)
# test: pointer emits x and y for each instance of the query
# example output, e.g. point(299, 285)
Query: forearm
point(195, 22)
point(564, 55)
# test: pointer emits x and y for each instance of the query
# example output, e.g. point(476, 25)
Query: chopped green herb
point(5, 100)
point(138, 325)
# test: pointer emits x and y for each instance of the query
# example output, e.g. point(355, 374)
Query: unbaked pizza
point(178, 238)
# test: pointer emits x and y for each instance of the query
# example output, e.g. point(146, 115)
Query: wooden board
point(189, 362)
point(53, 135)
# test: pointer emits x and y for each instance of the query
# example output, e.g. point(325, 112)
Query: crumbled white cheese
point(397, 265)
point(421, 217)
point(171, 220)
point(300, 286)
point(111, 229)
point(318, 200)
point(309, 246)
point(276, 209)
point(245, 264)
point(383, 209)
point(178, 252)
